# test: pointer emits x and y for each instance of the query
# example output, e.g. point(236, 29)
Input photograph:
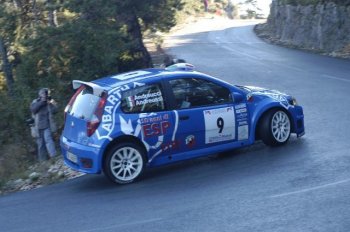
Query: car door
point(153, 124)
point(205, 113)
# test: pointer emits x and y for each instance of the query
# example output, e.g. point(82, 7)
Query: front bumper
point(81, 158)
point(298, 121)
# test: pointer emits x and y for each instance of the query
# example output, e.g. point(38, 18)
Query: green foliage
point(57, 56)
point(7, 23)
point(91, 39)
point(76, 50)
point(189, 8)
point(192, 7)
point(156, 15)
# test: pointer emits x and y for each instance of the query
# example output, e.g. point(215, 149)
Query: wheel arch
point(264, 112)
point(123, 139)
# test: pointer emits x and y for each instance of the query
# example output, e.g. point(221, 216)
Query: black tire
point(124, 163)
point(275, 127)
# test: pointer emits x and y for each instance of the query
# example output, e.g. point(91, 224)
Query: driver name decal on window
point(147, 98)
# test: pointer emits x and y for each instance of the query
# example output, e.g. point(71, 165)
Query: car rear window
point(85, 104)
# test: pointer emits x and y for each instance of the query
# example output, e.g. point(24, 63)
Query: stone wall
point(323, 27)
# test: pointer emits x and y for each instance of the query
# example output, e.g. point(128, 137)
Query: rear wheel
point(124, 163)
point(275, 128)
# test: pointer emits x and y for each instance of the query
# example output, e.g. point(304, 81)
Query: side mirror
point(237, 97)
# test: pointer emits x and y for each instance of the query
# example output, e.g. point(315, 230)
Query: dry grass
point(14, 160)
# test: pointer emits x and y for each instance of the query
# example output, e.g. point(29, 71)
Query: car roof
point(127, 77)
point(143, 76)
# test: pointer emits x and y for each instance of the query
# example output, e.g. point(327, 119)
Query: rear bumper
point(88, 159)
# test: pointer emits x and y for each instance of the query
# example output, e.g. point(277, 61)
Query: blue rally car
point(121, 124)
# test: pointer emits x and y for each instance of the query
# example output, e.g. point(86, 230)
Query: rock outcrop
point(323, 27)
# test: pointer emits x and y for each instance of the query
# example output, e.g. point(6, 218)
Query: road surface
point(303, 186)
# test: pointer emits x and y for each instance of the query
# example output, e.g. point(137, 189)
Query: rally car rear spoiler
point(96, 89)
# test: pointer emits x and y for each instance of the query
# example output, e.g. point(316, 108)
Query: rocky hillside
point(322, 26)
point(39, 175)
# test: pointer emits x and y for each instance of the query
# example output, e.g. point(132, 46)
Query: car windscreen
point(85, 104)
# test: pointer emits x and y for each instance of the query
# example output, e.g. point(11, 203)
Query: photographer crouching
point(42, 110)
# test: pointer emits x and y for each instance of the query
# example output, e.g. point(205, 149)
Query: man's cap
point(44, 91)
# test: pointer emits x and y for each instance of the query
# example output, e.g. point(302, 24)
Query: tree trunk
point(52, 14)
point(35, 13)
point(134, 29)
point(52, 17)
point(6, 67)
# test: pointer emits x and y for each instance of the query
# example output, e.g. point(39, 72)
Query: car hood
point(276, 95)
point(263, 91)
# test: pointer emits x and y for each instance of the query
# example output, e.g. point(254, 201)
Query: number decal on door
point(219, 125)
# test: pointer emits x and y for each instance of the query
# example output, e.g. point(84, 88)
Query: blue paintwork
point(165, 136)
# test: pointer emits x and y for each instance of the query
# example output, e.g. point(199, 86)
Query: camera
point(47, 95)
point(44, 94)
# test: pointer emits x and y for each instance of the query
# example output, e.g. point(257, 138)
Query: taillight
point(71, 101)
point(93, 124)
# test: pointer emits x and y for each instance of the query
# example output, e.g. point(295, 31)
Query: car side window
point(147, 98)
point(194, 92)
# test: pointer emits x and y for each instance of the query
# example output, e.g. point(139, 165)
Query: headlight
point(294, 101)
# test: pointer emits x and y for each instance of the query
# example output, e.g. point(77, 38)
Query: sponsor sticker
point(130, 75)
point(243, 132)
point(190, 141)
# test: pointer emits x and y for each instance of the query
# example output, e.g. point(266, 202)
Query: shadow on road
point(254, 160)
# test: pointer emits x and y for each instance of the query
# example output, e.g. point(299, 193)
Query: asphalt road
point(303, 186)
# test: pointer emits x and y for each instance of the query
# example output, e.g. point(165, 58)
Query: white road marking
point(237, 52)
point(335, 78)
point(293, 68)
point(122, 225)
point(310, 189)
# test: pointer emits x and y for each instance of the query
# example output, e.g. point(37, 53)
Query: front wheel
point(124, 163)
point(275, 128)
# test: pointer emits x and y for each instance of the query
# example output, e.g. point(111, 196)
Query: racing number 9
point(220, 123)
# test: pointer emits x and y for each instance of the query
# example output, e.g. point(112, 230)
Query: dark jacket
point(43, 115)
